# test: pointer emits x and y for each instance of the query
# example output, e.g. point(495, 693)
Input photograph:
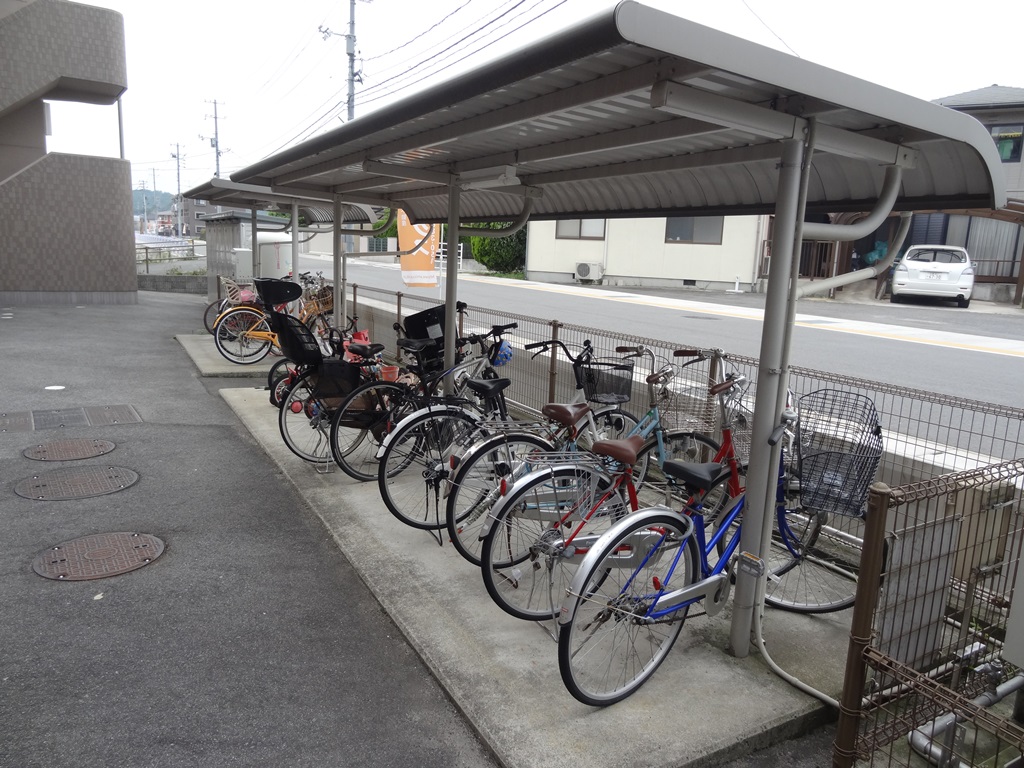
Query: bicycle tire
point(232, 335)
point(603, 654)
point(304, 420)
point(814, 561)
point(212, 311)
point(415, 464)
point(525, 561)
point(362, 421)
point(652, 484)
point(475, 485)
point(611, 422)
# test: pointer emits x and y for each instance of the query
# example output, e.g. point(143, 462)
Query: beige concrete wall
point(67, 232)
point(22, 138)
point(58, 50)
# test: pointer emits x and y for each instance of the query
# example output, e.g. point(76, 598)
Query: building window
point(1008, 141)
point(200, 202)
point(580, 229)
point(694, 229)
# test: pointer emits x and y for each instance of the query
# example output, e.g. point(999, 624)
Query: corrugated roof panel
point(636, 109)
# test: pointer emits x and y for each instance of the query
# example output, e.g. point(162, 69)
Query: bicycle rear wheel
point(213, 309)
point(610, 643)
point(305, 420)
point(476, 485)
point(415, 465)
point(361, 423)
point(814, 561)
point(525, 558)
point(242, 335)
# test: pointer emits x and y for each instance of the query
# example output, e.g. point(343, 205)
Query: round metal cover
point(76, 483)
point(68, 450)
point(98, 556)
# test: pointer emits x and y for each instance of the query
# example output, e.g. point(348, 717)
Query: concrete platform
point(702, 707)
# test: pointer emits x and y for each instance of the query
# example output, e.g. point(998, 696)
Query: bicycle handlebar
point(544, 346)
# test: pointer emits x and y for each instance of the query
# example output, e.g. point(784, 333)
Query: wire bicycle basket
point(609, 382)
point(839, 446)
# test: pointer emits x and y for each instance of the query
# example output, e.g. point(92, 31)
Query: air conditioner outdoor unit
point(589, 270)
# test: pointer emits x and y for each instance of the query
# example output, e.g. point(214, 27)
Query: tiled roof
point(992, 96)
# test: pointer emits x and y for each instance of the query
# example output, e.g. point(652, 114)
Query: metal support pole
point(872, 562)
point(340, 264)
point(553, 365)
point(255, 245)
point(451, 290)
point(762, 474)
point(295, 240)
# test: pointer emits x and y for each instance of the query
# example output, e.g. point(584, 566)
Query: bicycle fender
point(495, 510)
point(489, 443)
point(430, 409)
point(568, 609)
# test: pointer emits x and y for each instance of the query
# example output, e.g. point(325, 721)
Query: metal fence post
point(398, 321)
point(553, 366)
point(868, 583)
point(355, 302)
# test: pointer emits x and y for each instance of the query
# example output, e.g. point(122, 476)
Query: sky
point(274, 78)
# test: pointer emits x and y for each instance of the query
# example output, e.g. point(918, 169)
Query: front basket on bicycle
point(606, 381)
point(839, 445)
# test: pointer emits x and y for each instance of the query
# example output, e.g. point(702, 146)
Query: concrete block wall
point(67, 233)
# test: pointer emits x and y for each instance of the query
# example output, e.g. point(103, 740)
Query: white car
point(942, 271)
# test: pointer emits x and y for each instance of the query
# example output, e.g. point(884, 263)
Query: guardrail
point(158, 253)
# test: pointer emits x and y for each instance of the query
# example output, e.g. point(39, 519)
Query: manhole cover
point(67, 450)
point(76, 483)
point(98, 556)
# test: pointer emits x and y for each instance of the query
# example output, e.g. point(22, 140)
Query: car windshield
point(938, 256)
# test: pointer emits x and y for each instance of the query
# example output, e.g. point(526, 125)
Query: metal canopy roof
point(637, 112)
point(314, 209)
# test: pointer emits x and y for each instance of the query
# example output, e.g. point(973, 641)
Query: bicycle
point(242, 334)
point(632, 593)
point(413, 459)
point(537, 533)
point(235, 294)
point(506, 456)
point(307, 407)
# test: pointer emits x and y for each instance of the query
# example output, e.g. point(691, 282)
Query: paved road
point(250, 642)
point(976, 353)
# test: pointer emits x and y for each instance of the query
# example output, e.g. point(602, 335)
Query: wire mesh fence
point(926, 679)
point(948, 548)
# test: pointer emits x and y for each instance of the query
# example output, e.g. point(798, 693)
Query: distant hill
point(155, 201)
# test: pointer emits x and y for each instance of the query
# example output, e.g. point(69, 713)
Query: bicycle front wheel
point(539, 534)
point(359, 426)
point(616, 634)
point(814, 561)
point(305, 420)
point(415, 465)
point(476, 485)
point(242, 335)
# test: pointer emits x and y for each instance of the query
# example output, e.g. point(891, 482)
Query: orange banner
point(418, 266)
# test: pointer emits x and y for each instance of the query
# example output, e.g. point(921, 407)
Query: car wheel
point(894, 299)
point(963, 303)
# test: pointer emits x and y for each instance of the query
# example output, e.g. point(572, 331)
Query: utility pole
point(350, 47)
point(215, 141)
point(145, 213)
point(176, 154)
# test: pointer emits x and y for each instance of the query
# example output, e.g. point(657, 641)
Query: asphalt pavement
point(290, 620)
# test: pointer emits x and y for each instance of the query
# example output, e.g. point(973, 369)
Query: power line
point(429, 29)
point(745, 3)
point(460, 60)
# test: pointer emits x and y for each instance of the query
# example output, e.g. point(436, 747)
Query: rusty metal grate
point(68, 450)
point(76, 483)
point(98, 556)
